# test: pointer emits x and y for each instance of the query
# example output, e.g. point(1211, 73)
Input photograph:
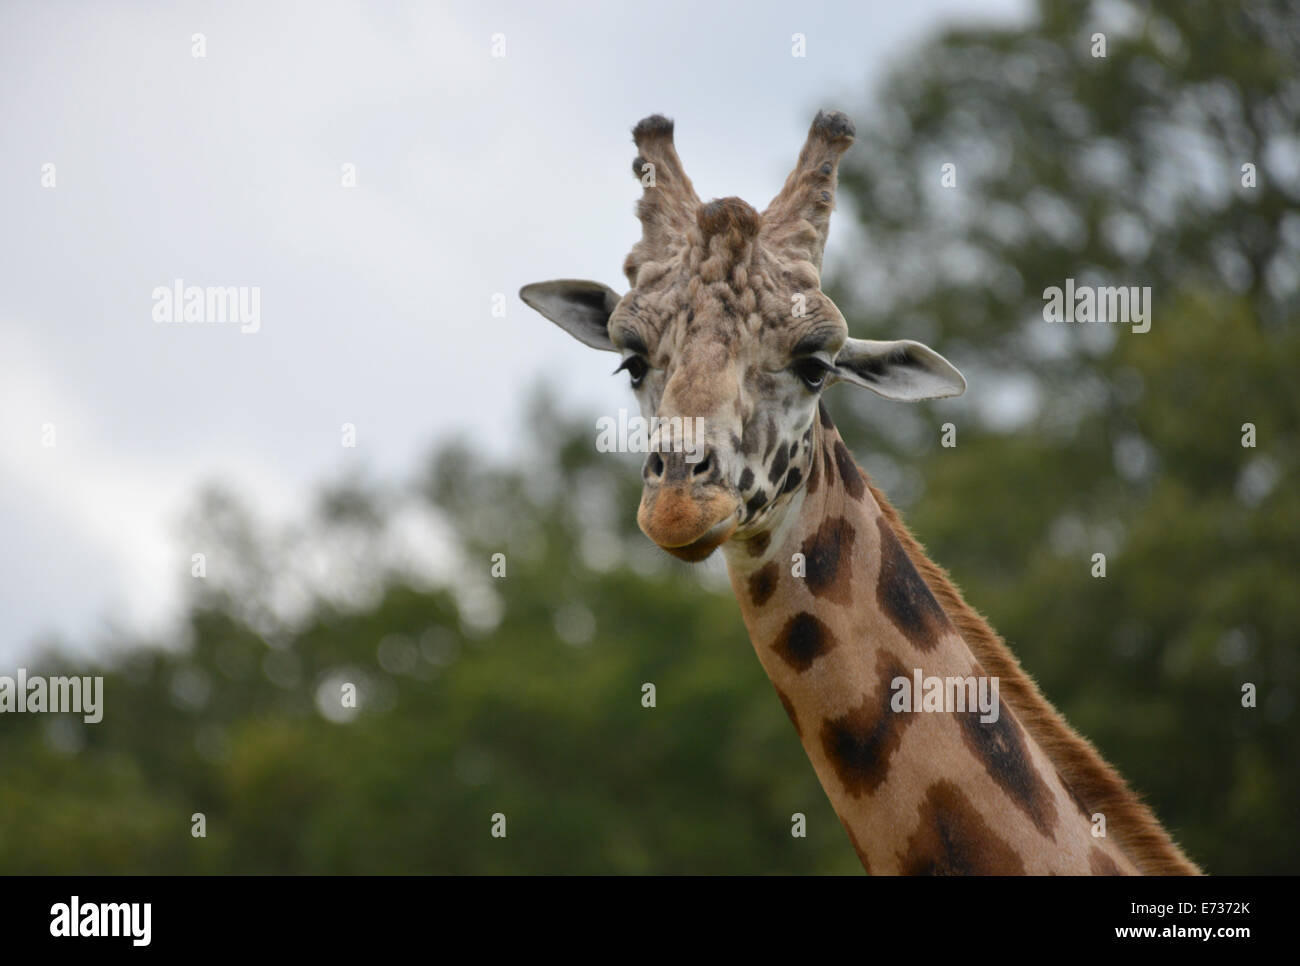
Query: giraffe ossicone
point(725, 323)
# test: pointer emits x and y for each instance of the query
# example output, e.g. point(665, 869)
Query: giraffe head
point(725, 327)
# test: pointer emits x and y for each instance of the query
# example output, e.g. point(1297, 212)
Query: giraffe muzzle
point(689, 522)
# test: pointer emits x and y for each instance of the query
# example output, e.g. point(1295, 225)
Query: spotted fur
point(904, 596)
point(828, 560)
point(1000, 745)
point(763, 584)
point(861, 742)
point(1101, 863)
point(1100, 788)
point(952, 838)
point(803, 639)
point(724, 314)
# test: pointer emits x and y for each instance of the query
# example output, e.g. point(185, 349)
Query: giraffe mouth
point(686, 525)
point(715, 537)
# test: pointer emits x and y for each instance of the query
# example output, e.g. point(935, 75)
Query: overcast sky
point(474, 175)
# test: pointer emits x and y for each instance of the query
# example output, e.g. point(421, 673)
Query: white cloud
point(475, 176)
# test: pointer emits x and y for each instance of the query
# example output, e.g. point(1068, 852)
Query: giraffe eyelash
point(636, 367)
point(812, 371)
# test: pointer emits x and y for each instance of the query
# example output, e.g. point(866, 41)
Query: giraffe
point(725, 321)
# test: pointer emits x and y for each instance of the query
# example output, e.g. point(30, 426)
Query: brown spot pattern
point(828, 560)
point(780, 463)
point(1102, 864)
point(803, 639)
point(952, 838)
point(1000, 745)
point(762, 584)
point(824, 415)
point(758, 544)
point(859, 744)
point(904, 596)
point(850, 475)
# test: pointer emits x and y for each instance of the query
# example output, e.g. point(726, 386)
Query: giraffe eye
point(811, 371)
point(636, 368)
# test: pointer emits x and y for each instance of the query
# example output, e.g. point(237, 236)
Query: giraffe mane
point(1096, 783)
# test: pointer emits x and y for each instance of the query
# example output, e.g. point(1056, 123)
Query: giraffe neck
point(839, 617)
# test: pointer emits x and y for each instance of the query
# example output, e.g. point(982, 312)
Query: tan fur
point(711, 312)
point(1101, 789)
point(917, 793)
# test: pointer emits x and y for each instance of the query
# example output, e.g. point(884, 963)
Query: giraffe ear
point(903, 370)
point(581, 309)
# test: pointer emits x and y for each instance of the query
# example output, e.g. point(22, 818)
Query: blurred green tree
point(1171, 162)
point(521, 695)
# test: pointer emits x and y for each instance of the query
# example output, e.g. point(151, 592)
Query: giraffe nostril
point(704, 465)
point(654, 466)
